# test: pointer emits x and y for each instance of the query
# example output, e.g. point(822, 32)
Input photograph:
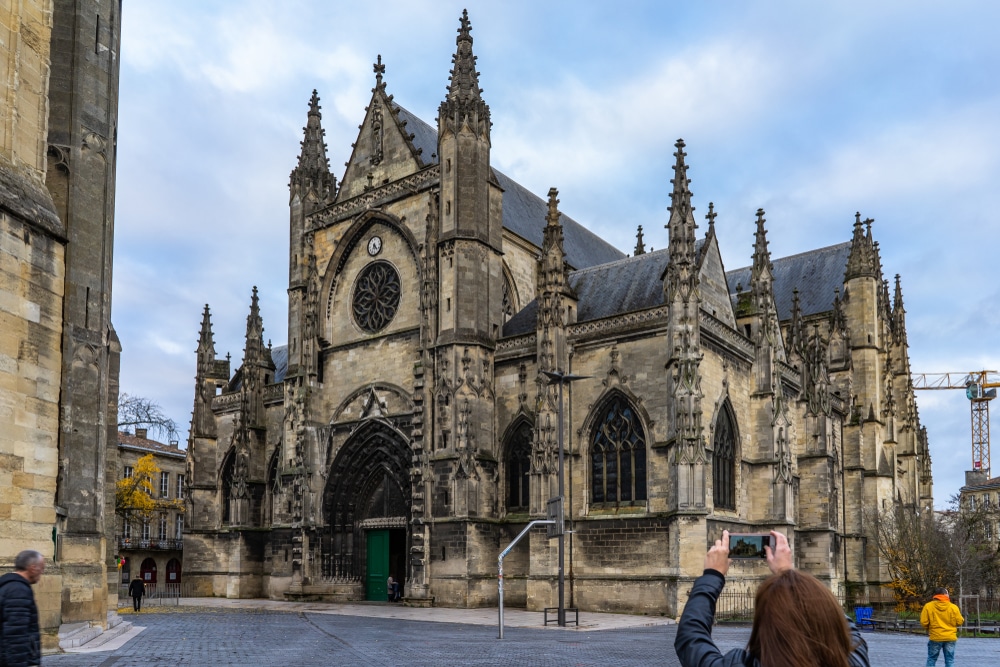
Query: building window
point(376, 296)
point(618, 455)
point(145, 529)
point(518, 464)
point(163, 526)
point(180, 486)
point(986, 501)
point(179, 527)
point(972, 503)
point(164, 484)
point(126, 529)
point(127, 473)
point(724, 460)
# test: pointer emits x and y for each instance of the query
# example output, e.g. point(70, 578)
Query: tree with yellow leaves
point(134, 496)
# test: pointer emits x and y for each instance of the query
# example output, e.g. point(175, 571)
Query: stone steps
point(85, 635)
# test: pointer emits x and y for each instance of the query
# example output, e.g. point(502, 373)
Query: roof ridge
point(642, 257)
point(796, 255)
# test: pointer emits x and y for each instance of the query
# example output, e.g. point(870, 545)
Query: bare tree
point(973, 557)
point(140, 412)
point(914, 547)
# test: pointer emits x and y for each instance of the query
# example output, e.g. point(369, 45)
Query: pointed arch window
point(618, 455)
point(518, 464)
point(724, 459)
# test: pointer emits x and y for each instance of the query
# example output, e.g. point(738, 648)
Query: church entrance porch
point(386, 551)
point(367, 508)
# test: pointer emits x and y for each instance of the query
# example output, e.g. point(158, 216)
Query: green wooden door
point(377, 571)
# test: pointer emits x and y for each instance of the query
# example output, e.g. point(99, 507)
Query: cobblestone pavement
point(221, 637)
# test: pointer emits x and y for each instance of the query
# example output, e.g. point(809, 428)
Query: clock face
point(374, 245)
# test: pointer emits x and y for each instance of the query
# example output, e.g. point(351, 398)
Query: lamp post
point(562, 379)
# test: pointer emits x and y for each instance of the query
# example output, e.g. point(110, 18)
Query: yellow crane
point(980, 388)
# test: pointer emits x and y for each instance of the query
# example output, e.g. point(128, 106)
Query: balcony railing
point(133, 544)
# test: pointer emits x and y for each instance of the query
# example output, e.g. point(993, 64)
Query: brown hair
point(798, 623)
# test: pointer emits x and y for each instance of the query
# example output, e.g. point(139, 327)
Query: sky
point(811, 111)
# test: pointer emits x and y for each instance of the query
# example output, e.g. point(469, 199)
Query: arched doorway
point(147, 571)
point(127, 570)
point(173, 571)
point(367, 508)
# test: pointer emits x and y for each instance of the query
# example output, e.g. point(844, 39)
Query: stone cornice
point(374, 198)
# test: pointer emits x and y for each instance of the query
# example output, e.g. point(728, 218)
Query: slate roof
point(523, 211)
point(817, 274)
point(623, 286)
point(129, 441)
point(279, 355)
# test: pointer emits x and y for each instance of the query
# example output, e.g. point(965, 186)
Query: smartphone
point(748, 545)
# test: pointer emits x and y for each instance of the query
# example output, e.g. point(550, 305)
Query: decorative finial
point(379, 71)
point(640, 245)
point(711, 215)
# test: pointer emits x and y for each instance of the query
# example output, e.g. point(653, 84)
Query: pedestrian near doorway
point(137, 589)
point(941, 618)
point(21, 640)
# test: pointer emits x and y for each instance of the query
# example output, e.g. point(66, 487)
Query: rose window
point(376, 296)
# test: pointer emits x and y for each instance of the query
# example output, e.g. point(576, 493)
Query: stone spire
point(206, 341)
point(898, 313)
point(681, 226)
point(640, 245)
point(767, 332)
point(210, 373)
point(796, 335)
point(861, 261)
point(464, 87)
point(253, 349)
point(681, 293)
point(552, 290)
point(312, 173)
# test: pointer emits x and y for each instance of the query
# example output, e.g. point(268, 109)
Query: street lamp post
point(562, 379)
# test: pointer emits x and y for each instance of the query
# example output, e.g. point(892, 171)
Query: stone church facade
point(59, 354)
point(407, 427)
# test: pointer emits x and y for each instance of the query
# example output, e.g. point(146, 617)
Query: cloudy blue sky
point(809, 110)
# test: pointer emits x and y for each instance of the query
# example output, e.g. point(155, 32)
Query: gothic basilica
point(408, 427)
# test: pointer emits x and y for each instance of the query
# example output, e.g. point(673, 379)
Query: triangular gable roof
point(523, 211)
point(817, 274)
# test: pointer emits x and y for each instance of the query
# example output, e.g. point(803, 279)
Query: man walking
point(137, 589)
point(941, 620)
point(21, 641)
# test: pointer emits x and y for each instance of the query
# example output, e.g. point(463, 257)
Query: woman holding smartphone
point(796, 623)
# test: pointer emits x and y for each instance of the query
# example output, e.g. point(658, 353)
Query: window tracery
point(724, 460)
point(376, 296)
point(618, 455)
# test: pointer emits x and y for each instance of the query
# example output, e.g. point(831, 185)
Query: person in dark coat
point(21, 640)
point(137, 589)
point(797, 620)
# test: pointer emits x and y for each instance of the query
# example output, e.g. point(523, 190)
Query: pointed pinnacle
point(379, 71)
point(640, 246)
point(711, 215)
point(464, 77)
point(553, 217)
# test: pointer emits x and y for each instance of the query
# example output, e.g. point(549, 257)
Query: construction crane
point(980, 388)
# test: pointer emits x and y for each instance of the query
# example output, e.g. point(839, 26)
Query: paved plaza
point(302, 635)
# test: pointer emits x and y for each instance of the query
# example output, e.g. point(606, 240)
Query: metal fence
point(736, 604)
point(158, 594)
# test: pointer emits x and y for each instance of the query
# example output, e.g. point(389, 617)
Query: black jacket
point(136, 589)
point(694, 645)
point(20, 640)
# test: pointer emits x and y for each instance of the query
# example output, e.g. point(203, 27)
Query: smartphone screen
point(748, 546)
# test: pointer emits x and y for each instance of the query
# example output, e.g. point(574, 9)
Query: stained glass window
point(724, 460)
point(376, 296)
point(618, 456)
point(518, 464)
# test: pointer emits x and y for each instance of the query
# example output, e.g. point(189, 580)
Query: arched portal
point(148, 571)
point(173, 571)
point(367, 509)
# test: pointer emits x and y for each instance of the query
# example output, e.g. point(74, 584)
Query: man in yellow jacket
point(941, 620)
